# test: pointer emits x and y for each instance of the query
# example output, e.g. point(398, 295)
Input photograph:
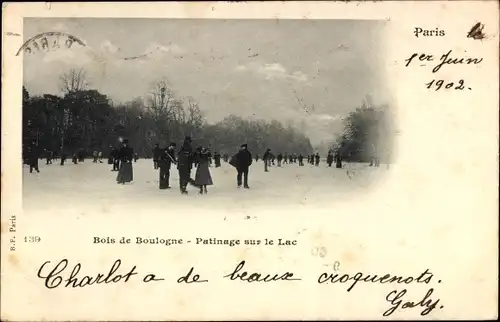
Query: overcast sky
point(250, 68)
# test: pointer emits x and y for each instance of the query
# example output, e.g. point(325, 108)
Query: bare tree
point(195, 115)
point(74, 80)
point(161, 102)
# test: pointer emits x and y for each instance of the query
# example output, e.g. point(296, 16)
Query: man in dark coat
point(74, 158)
point(166, 160)
point(185, 164)
point(63, 157)
point(279, 158)
point(217, 159)
point(243, 162)
point(48, 155)
point(301, 160)
point(116, 159)
point(81, 155)
point(110, 155)
point(156, 156)
point(338, 160)
point(317, 159)
point(32, 157)
point(329, 158)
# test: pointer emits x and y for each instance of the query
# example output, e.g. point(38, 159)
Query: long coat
point(203, 176)
point(125, 174)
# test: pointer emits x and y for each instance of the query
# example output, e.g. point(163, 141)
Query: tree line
point(86, 119)
point(369, 132)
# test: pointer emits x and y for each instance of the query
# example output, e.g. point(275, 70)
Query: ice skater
point(338, 160)
point(217, 159)
point(185, 164)
point(329, 158)
point(317, 159)
point(126, 173)
point(203, 177)
point(267, 159)
point(165, 162)
point(32, 157)
point(243, 163)
point(156, 156)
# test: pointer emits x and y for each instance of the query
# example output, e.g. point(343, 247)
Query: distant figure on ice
point(95, 155)
point(226, 157)
point(279, 158)
point(126, 173)
point(75, 158)
point(110, 155)
point(32, 157)
point(210, 157)
point(156, 156)
point(63, 157)
point(196, 156)
point(301, 160)
point(243, 162)
point(285, 159)
point(185, 164)
point(338, 160)
point(165, 162)
point(317, 159)
point(116, 159)
point(273, 157)
point(48, 155)
point(81, 155)
point(100, 156)
point(136, 157)
point(217, 159)
point(203, 177)
point(329, 158)
point(256, 158)
point(267, 159)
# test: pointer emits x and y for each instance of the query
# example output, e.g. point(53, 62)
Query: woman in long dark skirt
point(203, 177)
point(126, 155)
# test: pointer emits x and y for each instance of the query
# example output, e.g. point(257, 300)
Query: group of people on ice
point(185, 159)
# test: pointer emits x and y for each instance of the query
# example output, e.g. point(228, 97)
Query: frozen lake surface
point(93, 185)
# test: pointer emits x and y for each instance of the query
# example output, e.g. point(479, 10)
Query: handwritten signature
point(395, 298)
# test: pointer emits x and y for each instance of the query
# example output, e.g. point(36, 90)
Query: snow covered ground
point(91, 185)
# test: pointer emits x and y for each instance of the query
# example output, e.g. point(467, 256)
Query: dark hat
point(172, 144)
point(244, 145)
point(125, 141)
point(187, 138)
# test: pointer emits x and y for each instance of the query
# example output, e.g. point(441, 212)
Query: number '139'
point(32, 239)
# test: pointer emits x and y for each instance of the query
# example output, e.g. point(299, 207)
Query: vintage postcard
point(249, 161)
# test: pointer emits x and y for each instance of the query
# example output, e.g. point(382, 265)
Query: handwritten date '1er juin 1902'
point(445, 59)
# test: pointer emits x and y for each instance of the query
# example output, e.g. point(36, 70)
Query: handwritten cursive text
point(258, 277)
point(54, 279)
point(395, 298)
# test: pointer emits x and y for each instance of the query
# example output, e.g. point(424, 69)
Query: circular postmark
point(48, 41)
